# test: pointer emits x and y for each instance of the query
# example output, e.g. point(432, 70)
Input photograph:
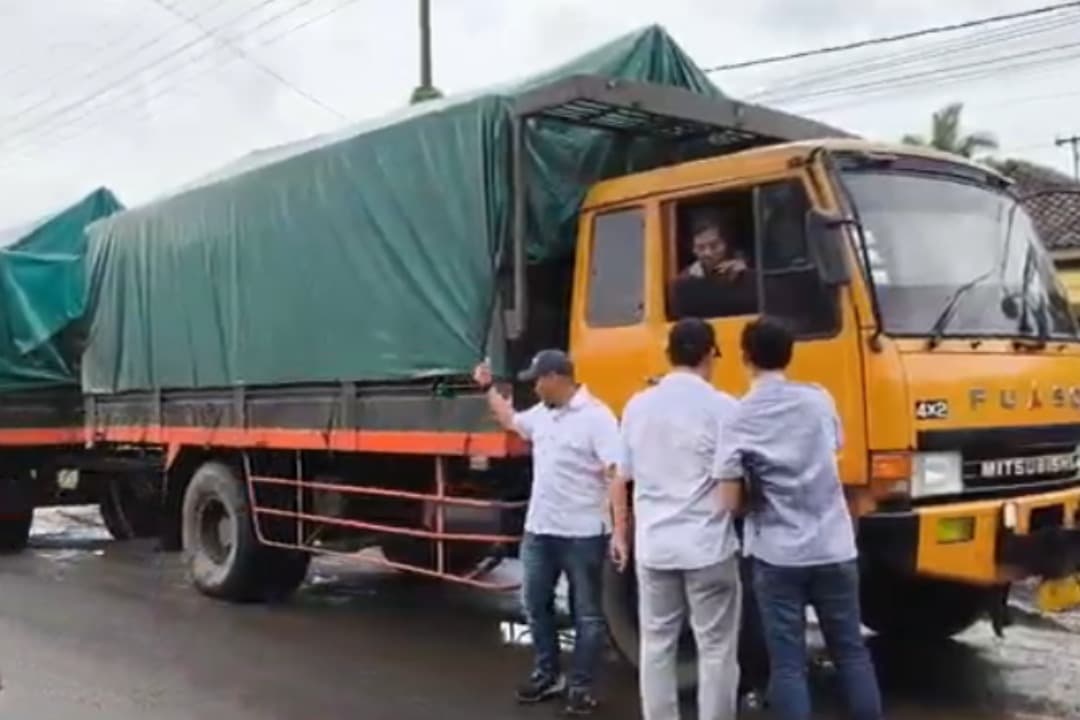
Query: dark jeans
point(753, 657)
point(833, 591)
point(544, 559)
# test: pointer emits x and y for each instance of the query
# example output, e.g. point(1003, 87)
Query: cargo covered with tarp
point(367, 254)
point(43, 293)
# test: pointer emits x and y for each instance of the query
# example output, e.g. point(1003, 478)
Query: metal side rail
point(306, 521)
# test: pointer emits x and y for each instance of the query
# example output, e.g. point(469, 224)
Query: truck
point(282, 351)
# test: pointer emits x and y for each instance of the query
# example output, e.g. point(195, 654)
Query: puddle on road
point(69, 533)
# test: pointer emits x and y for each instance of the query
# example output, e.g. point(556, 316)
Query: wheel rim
point(216, 530)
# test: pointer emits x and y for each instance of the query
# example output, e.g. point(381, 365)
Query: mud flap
point(998, 610)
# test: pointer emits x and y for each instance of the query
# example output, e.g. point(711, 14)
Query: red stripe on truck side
point(390, 442)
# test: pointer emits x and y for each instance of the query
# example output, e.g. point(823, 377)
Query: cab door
point(613, 320)
point(765, 225)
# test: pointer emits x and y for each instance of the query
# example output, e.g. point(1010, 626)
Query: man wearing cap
point(575, 446)
point(685, 548)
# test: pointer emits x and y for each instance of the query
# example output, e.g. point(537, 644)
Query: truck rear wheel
point(129, 507)
point(223, 554)
point(16, 513)
point(917, 610)
point(621, 612)
point(15, 530)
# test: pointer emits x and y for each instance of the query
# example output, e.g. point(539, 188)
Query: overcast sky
point(126, 94)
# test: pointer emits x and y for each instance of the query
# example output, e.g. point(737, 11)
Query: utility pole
point(1075, 142)
point(425, 91)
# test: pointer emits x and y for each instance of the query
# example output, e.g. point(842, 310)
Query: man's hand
point(732, 268)
point(620, 551)
point(482, 375)
point(729, 497)
point(501, 408)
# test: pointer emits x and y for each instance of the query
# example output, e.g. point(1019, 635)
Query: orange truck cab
point(923, 300)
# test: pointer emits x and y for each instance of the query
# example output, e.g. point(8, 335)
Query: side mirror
point(827, 242)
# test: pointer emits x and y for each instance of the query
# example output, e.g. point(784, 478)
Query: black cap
point(690, 341)
point(548, 362)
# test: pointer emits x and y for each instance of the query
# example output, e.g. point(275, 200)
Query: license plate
point(1059, 594)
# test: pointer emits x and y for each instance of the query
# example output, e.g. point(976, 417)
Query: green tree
point(946, 135)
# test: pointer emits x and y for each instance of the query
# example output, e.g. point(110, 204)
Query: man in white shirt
point(575, 446)
point(685, 547)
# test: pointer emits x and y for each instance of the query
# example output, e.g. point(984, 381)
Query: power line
point(253, 61)
point(913, 58)
point(128, 29)
point(82, 129)
point(64, 110)
point(1022, 100)
point(906, 88)
point(985, 65)
point(89, 73)
point(893, 60)
point(49, 50)
point(924, 32)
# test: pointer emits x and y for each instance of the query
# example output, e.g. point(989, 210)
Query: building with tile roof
point(1055, 208)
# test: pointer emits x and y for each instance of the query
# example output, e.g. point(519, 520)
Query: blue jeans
point(833, 591)
point(544, 559)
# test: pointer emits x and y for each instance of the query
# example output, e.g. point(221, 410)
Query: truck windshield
point(955, 258)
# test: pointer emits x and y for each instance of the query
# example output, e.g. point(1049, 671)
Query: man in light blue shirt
point(781, 447)
point(685, 548)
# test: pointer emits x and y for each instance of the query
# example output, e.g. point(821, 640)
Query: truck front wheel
point(918, 610)
point(224, 556)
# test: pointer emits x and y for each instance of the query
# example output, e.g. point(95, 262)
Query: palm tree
point(945, 134)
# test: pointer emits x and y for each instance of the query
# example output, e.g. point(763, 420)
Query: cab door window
point(713, 256)
point(761, 263)
point(616, 289)
point(792, 285)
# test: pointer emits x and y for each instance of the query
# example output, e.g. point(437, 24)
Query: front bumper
point(985, 542)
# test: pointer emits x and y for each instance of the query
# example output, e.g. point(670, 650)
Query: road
point(93, 629)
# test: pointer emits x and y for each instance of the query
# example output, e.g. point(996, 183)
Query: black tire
point(620, 603)
point(285, 572)
point(129, 511)
point(913, 610)
point(15, 530)
point(621, 612)
point(16, 513)
point(223, 554)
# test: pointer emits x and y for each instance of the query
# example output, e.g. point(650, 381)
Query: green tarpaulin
point(367, 254)
point(42, 292)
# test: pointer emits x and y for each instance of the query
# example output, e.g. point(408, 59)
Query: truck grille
point(987, 468)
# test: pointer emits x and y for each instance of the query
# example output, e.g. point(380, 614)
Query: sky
point(142, 96)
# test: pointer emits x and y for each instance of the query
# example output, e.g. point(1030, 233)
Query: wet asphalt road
point(95, 629)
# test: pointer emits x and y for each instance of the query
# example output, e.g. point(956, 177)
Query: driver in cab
point(717, 283)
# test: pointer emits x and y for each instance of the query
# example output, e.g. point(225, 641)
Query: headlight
point(937, 474)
